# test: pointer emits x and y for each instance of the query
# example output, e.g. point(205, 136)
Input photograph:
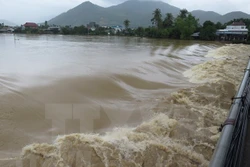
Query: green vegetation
point(186, 24)
point(82, 30)
point(207, 32)
point(157, 18)
point(181, 27)
point(46, 24)
point(168, 21)
point(126, 23)
point(29, 31)
point(1, 25)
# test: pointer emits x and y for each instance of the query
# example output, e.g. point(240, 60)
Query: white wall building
point(235, 31)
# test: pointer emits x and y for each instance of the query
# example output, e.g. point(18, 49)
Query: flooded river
point(70, 101)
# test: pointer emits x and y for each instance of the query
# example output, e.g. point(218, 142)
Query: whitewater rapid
point(183, 133)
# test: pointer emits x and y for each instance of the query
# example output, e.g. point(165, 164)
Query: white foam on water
point(183, 133)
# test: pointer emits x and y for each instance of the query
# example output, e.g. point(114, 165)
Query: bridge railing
point(230, 147)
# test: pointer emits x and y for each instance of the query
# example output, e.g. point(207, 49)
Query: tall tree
point(169, 20)
point(208, 31)
point(186, 25)
point(183, 13)
point(140, 31)
point(126, 23)
point(46, 24)
point(219, 25)
point(157, 18)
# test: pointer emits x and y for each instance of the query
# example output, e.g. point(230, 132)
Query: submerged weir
point(169, 122)
point(182, 134)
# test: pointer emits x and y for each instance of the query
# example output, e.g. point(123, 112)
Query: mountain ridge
point(138, 12)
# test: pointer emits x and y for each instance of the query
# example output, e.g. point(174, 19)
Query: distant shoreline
point(225, 42)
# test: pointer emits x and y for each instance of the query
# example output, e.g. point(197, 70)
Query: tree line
point(182, 26)
point(163, 26)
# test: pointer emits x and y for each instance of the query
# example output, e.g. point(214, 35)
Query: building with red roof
point(30, 25)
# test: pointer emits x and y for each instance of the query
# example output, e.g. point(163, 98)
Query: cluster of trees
point(82, 30)
point(208, 30)
point(28, 30)
point(181, 27)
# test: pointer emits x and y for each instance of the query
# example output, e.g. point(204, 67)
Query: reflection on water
point(55, 85)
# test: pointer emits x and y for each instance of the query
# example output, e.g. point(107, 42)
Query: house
point(116, 29)
point(237, 25)
point(235, 31)
point(30, 25)
point(196, 35)
point(3, 30)
point(105, 27)
point(53, 29)
point(7, 29)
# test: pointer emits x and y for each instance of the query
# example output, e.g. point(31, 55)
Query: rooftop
point(241, 23)
point(30, 24)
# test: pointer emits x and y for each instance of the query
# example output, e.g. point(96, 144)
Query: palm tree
point(169, 20)
point(46, 24)
point(126, 23)
point(157, 18)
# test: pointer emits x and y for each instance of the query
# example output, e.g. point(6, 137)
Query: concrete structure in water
point(236, 31)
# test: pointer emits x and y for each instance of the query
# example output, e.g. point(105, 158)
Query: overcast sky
point(20, 11)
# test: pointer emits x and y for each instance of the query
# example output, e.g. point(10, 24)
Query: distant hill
point(234, 15)
point(82, 14)
point(215, 17)
point(8, 23)
point(138, 12)
point(206, 15)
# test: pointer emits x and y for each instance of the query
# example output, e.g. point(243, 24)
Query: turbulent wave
point(149, 144)
point(182, 132)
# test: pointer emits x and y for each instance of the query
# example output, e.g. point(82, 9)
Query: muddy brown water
point(113, 101)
